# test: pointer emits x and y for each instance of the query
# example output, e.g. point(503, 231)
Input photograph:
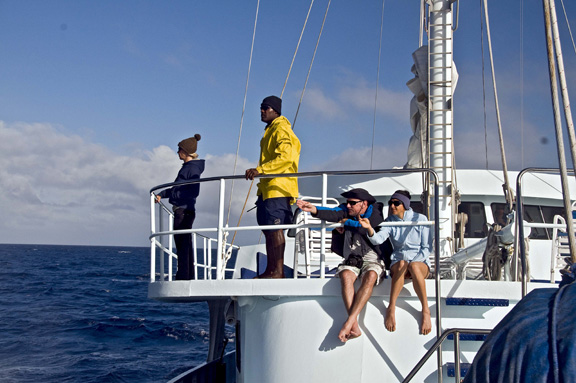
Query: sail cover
point(418, 145)
point(535, 342)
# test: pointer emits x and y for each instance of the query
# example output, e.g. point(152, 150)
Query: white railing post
point(220, 246)
point(195, 255)
point(152, 239)
point(162, 252)
point(170, 247)
point(323, 229)
point(207, 271)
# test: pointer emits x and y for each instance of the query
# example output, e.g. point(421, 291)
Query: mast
point(440, 127)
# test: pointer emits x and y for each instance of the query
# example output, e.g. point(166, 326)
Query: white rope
point(243, 110)
point(311, 63)
point(507, 190)
point(297, 47)
point(377, 82)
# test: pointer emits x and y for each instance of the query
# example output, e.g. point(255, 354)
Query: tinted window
point(540, 214)
point(499, 212)
point(476, 226)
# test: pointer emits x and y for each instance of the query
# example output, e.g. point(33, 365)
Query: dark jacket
point(374, 215)
point(185, 196)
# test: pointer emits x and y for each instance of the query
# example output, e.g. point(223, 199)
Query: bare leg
point(347, 279)
point(419, 272)
point(398, 272)
point(275, 244)
point(360, 299)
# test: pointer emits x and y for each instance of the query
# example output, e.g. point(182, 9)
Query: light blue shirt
point(410, 243)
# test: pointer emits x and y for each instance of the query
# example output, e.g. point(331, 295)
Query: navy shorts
point(274, 211)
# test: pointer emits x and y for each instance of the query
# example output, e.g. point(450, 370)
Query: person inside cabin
point(279, 153)
point(410, 257)
point(361, 257)
point(183, 200)
point(499, 214)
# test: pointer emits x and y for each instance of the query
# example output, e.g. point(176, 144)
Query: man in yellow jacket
point(279, 153)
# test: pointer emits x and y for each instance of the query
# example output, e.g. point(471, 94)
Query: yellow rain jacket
point(279, 153)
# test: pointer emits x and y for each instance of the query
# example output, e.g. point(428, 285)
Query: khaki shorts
point(377, 267)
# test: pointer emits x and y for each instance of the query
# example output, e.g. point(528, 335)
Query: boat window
point(540, 214)
point(499, 212)
point(476, 227)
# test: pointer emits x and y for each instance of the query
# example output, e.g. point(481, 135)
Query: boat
point(483, 264)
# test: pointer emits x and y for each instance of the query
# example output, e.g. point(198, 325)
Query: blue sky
point(95, 95)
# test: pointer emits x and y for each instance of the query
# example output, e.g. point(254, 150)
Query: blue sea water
point(81, 314)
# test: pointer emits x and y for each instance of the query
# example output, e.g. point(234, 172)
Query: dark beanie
point(273, 102)
point(189, 145)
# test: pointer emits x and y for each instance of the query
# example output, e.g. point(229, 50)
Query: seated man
point(361, 257)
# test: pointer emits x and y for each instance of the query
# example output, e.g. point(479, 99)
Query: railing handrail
point(521, 249)
point(284, 227)
point(438, 343)
point(220, 229)
point(298, 175)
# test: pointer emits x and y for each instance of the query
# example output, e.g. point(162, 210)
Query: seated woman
point(410, 258)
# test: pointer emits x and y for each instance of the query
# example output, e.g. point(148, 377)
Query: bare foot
point(426, 323)
point(350, 330)
point(390, 321)
point(354, 331)
point(270, 275)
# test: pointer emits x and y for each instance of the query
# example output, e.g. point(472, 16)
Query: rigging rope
point(311, 63)
point(377, 82)
point(243, 111)
point(522, 83)
point(568, 23)
point(228, 253)
point(297, 47)
point(508, 194)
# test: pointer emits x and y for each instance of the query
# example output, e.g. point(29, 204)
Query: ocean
point(81, 314)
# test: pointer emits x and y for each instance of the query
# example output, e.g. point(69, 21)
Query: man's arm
point(306, 206)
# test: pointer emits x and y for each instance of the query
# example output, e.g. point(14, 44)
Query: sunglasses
point(352, 203)
point(395, 203)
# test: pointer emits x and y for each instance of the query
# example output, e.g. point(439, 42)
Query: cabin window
point(499, 212)
point(541, 214)
point(476, 226)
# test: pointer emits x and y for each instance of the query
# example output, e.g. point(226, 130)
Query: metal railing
point(436, 346)
point(520, 250)
point(203, 248)
point(222, 247)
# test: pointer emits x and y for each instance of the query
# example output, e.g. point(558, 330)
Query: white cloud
point(58, 188)
point(353, 98)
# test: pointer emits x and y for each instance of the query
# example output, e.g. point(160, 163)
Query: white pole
point(220, 245)
point(153, 239)
point(323, 230)
point(559, 133)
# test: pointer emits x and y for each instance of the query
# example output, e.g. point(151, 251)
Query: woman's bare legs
point(419, 271)
point(398, 272)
